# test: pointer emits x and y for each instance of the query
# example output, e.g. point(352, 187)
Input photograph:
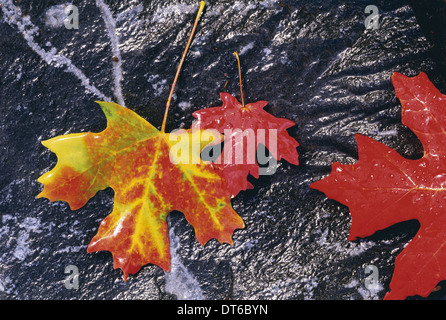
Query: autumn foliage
point(384, 188)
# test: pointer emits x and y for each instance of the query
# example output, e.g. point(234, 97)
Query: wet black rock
point(316, 64)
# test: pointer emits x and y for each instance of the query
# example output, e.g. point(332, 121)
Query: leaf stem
point(240, 77)
point(200, 10)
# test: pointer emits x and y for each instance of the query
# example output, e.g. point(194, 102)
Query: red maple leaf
point(384, 188)
point(245, 128)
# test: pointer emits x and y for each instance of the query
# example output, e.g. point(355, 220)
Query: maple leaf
point(133, 158)
point(152, 174)
point(246, 127)
point(383, 188)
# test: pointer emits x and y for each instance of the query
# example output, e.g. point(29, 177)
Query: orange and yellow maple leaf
point(135, 159)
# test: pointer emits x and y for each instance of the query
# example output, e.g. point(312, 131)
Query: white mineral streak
point(117, 65)
point(179, 281)
point(13, 16)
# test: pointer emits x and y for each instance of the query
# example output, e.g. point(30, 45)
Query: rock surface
point(316, 64)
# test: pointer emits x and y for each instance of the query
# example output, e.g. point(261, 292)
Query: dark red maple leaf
point(246, 129)
point(384, 188)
